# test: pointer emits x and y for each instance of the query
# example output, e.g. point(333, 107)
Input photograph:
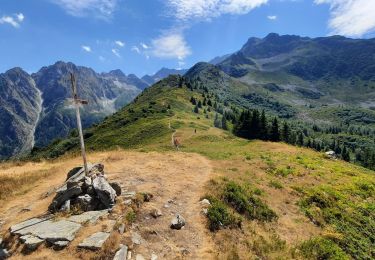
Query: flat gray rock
point(60, 244)
point(95, 241)
point(18, 229)
point(136, 238)
point(31, 242)
point(122, 253)
point(89, 216)
point(62, 230)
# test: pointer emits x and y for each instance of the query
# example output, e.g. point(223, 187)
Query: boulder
point(122, 253)
point(73, 190)
point(85, 202)
point(105, 192)
point(31, 242)
point(95, 241)
point(178, 222)
point(116, 187)
point(73, 172)
point(154, 257)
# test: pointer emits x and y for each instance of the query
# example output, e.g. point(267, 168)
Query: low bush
point(322, 248)
point(219, 216)
point(245, 202)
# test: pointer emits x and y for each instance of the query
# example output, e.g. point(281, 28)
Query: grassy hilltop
point(268, 200)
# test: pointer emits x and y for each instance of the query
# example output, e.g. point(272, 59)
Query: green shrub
point(246, 203)
point(322, 248)
point(275, 184)
point(220, 217)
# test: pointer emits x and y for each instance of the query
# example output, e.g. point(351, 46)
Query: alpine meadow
point(187, 146)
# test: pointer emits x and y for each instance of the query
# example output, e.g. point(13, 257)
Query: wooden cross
point(77, 103)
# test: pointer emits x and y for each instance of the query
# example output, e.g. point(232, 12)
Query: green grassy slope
point(269, 200)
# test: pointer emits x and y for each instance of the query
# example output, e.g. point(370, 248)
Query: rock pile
point(87, 193)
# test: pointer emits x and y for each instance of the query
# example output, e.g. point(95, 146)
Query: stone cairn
point(86, 193)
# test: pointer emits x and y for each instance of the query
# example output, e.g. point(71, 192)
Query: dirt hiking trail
point(176, 180)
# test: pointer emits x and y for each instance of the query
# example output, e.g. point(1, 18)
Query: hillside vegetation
point(268, 200)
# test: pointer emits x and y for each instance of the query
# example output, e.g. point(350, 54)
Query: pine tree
point(286, 132)
point(193, 101)
point(204, 102)
point(217, 122)
point(196, 109)
point(263, 127)
point(275, 134)
point(209, 102)
point(345, 154)
point(300, 140)
point(200, 104)
point(254, 125)
point(224, 124)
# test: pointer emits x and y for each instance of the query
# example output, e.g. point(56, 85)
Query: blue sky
point(141, 36)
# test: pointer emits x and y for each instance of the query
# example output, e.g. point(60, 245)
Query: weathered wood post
point(77, 103)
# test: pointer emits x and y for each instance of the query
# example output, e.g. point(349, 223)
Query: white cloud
point(120, 43)
point(206, 9)
point(144, 46)
point(98, 8)
point(136, 49)
point(170, 46)
point(86, 48)
point(116, 53)
point(351, 17)
point(14, 20)
point(20, 17)
point(272, 17)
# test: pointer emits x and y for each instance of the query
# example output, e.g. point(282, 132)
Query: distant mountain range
point(161, 74)
point(36, 109)
point(326, 80)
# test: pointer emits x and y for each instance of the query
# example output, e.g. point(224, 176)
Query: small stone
point(139, 257)
point(31, 242)
point(205, 202)
point(58, 245)
point(136, 238)
point(205, 211)
point(122, 253)
point(156, 213)
point(166, 206)
point(129, 255)
point(178, 222)
point(116, 187)
point(154, 257)
point(129, 195)
point(121, 229)
point(95, 241)
point(128, 202)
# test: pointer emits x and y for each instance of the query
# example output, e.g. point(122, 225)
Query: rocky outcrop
point(87, 193)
